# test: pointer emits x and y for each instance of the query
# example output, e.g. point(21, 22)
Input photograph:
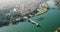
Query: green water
point(50, 23)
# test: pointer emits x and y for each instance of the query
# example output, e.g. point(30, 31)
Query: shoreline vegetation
point(42, 9)
point(57, 3)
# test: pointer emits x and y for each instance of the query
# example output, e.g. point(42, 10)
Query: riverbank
point(42, 8)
